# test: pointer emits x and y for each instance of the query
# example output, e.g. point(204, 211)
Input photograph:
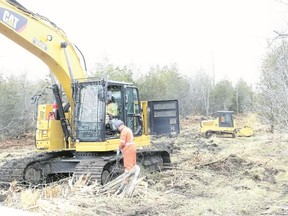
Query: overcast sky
point(227, 36)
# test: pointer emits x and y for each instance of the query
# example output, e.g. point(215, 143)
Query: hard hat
point(118, 123)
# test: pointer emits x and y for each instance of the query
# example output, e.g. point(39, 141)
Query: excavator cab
point(92, 122)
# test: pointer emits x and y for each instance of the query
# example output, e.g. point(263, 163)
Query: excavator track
point(153, 160)
point(93, 167)
point(35, 169)
point(14, 170)
point(103, 170)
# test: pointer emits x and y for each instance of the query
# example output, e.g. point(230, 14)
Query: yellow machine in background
point(223, 123)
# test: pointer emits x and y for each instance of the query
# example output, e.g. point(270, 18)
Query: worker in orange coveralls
point(127, 145)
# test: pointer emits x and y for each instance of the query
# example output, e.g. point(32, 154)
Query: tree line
point(197, 93)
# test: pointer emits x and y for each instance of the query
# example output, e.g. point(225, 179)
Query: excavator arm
point(44, 39)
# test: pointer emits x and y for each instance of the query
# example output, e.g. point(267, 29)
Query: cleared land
point(215, 176)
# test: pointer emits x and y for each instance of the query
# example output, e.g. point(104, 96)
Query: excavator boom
point(44, 39)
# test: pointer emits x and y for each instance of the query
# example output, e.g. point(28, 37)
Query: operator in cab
point(111, 108)
point(111, 112)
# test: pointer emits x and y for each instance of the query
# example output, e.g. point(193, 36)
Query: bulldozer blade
point(245, 132)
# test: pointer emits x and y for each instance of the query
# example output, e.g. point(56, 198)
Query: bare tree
point(201, 85)
point(273, 88)
point(16, 110)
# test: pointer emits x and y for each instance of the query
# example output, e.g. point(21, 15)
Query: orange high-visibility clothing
point(128, 148)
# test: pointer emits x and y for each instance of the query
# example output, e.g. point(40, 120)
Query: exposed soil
point(215, 176)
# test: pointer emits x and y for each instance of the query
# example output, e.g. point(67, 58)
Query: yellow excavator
point(223, 123)
point(73, 136)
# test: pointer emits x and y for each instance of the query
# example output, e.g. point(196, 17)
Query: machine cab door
point(164, 117)
point(133, 115)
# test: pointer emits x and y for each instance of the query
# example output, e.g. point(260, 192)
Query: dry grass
point(216, 176)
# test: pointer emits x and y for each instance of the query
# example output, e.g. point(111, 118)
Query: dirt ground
point(215, 176)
